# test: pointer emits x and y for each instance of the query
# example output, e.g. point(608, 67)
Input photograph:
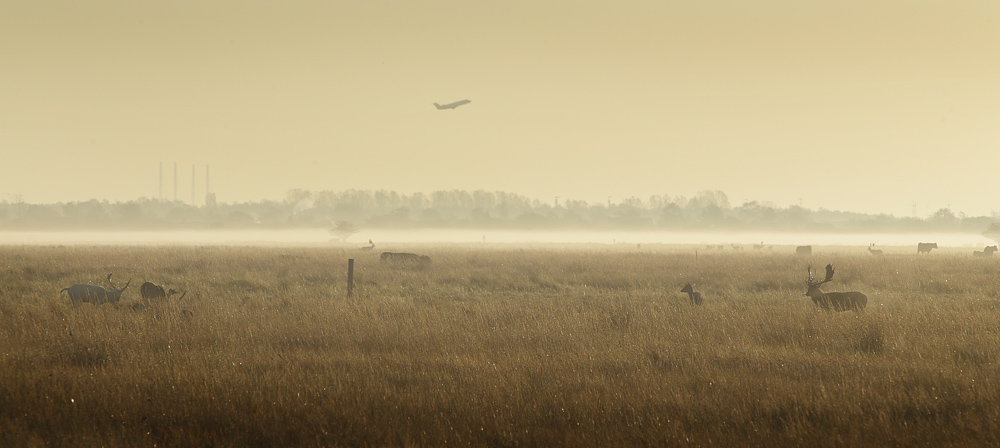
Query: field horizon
point(497, 346)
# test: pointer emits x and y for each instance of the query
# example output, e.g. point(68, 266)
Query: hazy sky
point(863, 105)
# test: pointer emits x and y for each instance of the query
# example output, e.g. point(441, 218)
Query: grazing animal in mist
point(451, 105)
point(987, 252)
point(758, 246)
point(694, 296)
point(804, 250)
point(368, 248)
point(152, 291)
point(925, 248)
point(873, 251)
point(404, 257)
point(736, 247)
point(834, 301)
point(82, 292)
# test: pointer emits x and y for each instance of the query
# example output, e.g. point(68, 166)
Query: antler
point(829, 275)
point(113, 285)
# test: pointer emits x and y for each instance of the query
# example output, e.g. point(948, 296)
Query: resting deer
point(694, 296)
point(153, 291)
point(835, 301)
point(873, 251)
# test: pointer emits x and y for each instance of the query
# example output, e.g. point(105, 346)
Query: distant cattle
point(804, 250)
point(925, 248)
point(987, 252)
point(404, 257)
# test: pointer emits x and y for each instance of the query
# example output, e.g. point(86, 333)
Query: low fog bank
point(461, 212)
point(384, 239)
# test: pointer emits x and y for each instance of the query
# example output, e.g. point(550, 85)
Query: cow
point(82, 292)
point(925, 248)
point(987, 252)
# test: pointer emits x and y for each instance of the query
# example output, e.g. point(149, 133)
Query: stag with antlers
point(834, 301)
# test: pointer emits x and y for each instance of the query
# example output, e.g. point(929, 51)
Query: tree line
point(706, 210)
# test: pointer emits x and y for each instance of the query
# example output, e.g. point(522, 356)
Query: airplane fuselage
point(451, 105)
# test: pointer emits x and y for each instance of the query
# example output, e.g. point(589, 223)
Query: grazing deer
point(694, 296)
point(873, 251)
point(82, 292)
point(925, 248)
point(835, 301)
point(758, 246)
point(987, 252)
point(368, 248)
point(152, 291)
point(804, 250)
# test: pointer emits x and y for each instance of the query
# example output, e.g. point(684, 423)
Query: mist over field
point(387, 211)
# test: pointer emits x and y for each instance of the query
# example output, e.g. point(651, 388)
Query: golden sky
point(867, 106)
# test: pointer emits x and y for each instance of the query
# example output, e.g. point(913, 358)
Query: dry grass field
point(497, 346)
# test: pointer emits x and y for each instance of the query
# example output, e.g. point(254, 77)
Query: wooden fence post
point(350, 277)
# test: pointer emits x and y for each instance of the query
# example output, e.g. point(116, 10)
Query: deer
point(873, 251)
point(694, 296)
point(833, 301)
point(369, 248)
point(152, 291)
point(82, 292)
point(403, 257)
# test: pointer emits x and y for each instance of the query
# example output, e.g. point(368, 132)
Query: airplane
point(452, 105)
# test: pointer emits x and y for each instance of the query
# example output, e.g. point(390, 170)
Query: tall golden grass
point(496, 346)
